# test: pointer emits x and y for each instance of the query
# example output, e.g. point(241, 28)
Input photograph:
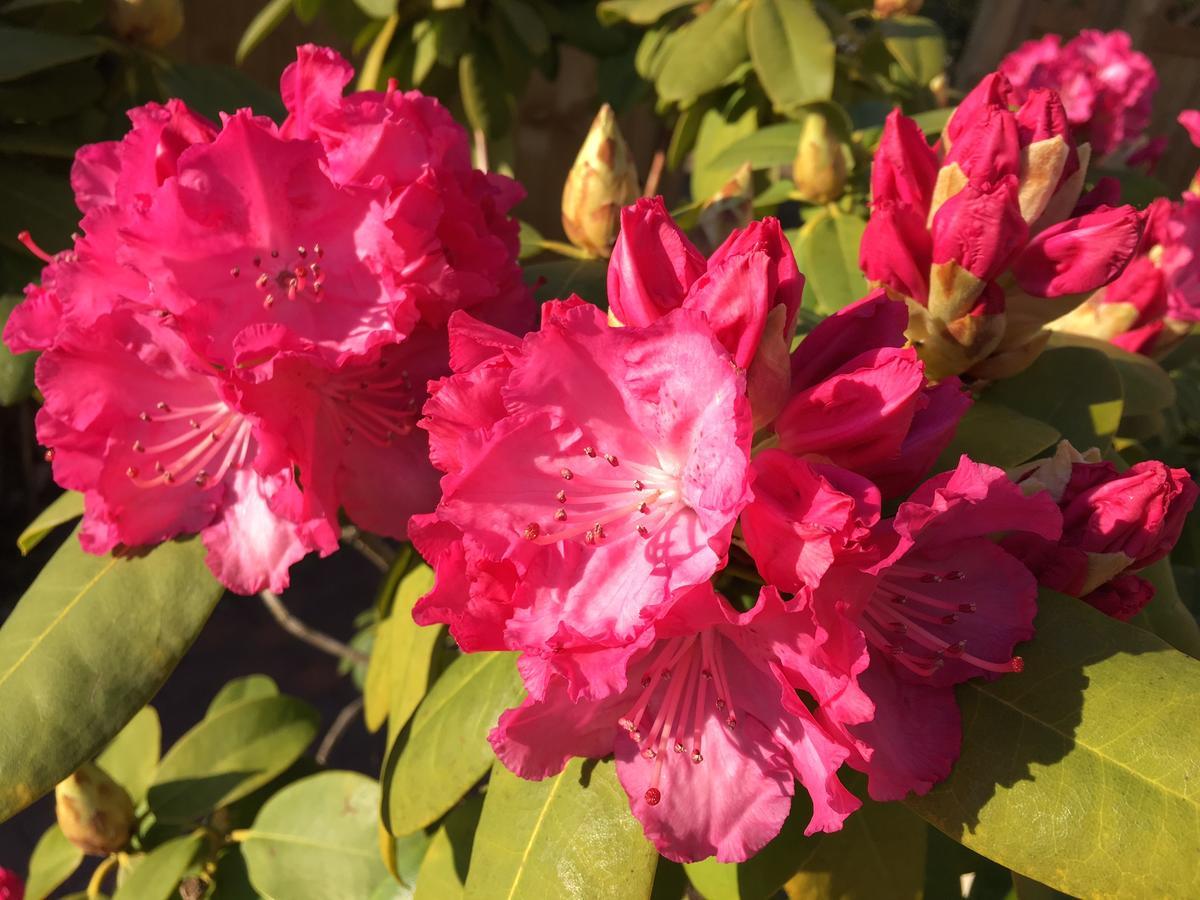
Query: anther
point(257, 261)
point(274, 254)
point(132, 472)
point(192, 423)
point(561, 496)
point(531, 531)
point(301, 252)
point(144, 416)
point(610, 459)
point(930, 578)
point(678, 748)
point(589, 538)
point(261, 281)
point(138, 447)
point(560, 515)
point(162, 405)
point(317, 250)
point(949, 619)
point(589, 452)
point(649, 753)
point(644, 508)
point(697, 758)
point(653, 796)
point(48, 456)
point(566, 474)
point(966, 607)
point(638, 486)
point(955, 575)
point(1017, 664)
point(641, 529)
point(235, 272)
point(268, 301)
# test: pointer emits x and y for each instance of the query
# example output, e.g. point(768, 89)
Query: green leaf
point(53, 860)
point(86, 648)
point(238, 690)
point(527, 24)
point(66, 507)
point(306, 10)
point(1166, 615)
point(231, 881)
point(1081, 771)
point(1075, 389)
point(377, 9)
point(24, 51)
point(16, 369)
point(35, 201)
point(264, 22)
point(212, 90)
point(560, 278)
point(132, 756)
point(766, 148)
point(997, 435)
point(1145, 387)
point(445, 750)
point(917, 44)
point(410, 649)
point(792, 51)
point(719, 128)
point(370, 77)
point(827, 254)
point(443, 873)
point(157, 875)
point(317, 838)
point(718, 38)
point(880, 852)
point(480, 84)
point(639, 12)
point(569, 833)
point(228, 755)
point(932, 121)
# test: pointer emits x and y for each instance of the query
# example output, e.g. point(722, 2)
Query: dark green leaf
point(37, 202)
point(483, 96)
point(997, 435)
point(53, 860)
point(157, 875)
point(212, 90)
point(793, 52)
point(264, 22)
point(1166, 615)
point(527, 24)
point(86, 648)
point(229, 754)
point(562, 277)
point(1081, 771)
point(24, 51)
point(445, 750)
point(1075, 389)
point(570, 833)
point(317, 838)
point(306, 10)
point(1145, 387)
point(16, 369)
point(67, 507)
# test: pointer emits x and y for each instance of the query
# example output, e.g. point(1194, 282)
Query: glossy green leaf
point(443, 873)
point(53, 860)
point(718, 38)
point(24, 51)
point(997, 435)
point(1166, 615)
point(445, 750)
point(917, 44)
point(377, 9)
point(766, 148)
point(66, 507)
point(560, 278)
point(131, 758)
point(1081, 772)
point(35, 201)
point(639, 12)
point(16, 369)
point(86, 622)
point(1075, 389)
point(827, 253)
point(156, 876)
point(231, 880)
point(527, 24)
point(792, 51)
point(238, 690)
point(1145, 387)
point(932, 121)
point(719, 128)
point(228, 755)
point(264, 22)
point(880, 852)
point(481, 87)
point(571, 835)
point(410, 649)
point(317, 838)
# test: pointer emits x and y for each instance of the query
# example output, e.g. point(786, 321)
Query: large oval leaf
point(997, 435)
point(157, 874)
point(827, 253)
point(132, 756)
point(701, 55)
point(1075, 389)
point(917, 44)
point(24, 51)
point(443, 873)
point(568, 836)
point(316, 838)
point(1146, 387)
point(1083, 771)
point(53, 860)
point(238, 749)
point(792, 51)
point(445, 749)
point(86, 648)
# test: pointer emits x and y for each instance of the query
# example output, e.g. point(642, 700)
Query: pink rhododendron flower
point(280, 295)
point(1107, 87)
point(944, 603)
point(706, 724)
point(1114, 523)
point(602, 469)
point(860, 398)
point(949, 227)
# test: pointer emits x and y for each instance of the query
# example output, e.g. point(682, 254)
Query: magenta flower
point(944, 604)
point(606, 465)
point(703, 716)
point(1106, 85)
point(1114, 523)
point(154, 439)
point(281, 295)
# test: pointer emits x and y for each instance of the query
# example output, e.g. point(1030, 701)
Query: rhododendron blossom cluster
point(987, 238)
point(1106, 86)
point(609, 484)
point(238, 342)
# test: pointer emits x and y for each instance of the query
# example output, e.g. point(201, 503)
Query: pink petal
point(652, 264)
point(1079, 255)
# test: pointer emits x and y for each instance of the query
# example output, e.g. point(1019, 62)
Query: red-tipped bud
point(653, 264)
point(1079, 255)
point(905, 167)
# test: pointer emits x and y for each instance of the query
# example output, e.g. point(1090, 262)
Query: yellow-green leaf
point(792, 51)
point(131, 758)
point(53, 860)
point(65, 508)
point(156, 875)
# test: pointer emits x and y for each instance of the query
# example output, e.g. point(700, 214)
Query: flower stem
point(309, 635)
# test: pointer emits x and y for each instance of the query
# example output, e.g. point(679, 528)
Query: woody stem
point(306, 633)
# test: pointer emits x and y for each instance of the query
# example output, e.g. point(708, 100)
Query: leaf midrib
point(537, 826)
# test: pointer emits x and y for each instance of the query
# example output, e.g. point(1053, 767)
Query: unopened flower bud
point(94, 812)
point(602, 180)
point(12, 887)
point(730, 208)
point(819, 170)
point(151, 23)
point(887, 8)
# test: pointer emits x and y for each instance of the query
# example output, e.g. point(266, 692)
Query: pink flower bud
point(1079, 255)
point(1048, 155)
point(905, 167)
point(11, 885)
point(993, 90)
point(896, 250)
point(652, 264)
point(1122, 598)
